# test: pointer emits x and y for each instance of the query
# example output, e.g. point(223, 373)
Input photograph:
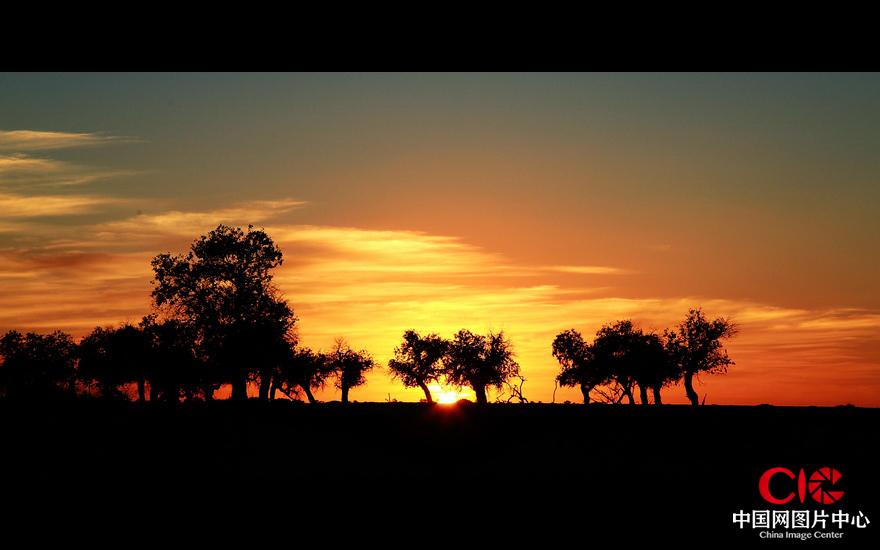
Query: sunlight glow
point(446, 395)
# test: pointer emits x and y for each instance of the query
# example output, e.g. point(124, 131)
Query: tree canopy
point(481, 362)
point(418, 361)
point(37, 365)
point(176, 371)
point(303, 371)
point(223, 286)
point(111, 357)
point(578, 366)
point(695, 346)
point(349, 367)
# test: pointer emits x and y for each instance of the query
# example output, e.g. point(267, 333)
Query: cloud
point(22, 163)
point(30, 140)
point(145, 230)
point(588, 270)
point(70, 290)
point(20, 206)
point(19, 168)
point(394, 254)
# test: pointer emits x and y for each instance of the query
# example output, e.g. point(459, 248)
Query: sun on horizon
point(447, 395)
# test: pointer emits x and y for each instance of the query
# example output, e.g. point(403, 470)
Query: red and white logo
point(819, 486)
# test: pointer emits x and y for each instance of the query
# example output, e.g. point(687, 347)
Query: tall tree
point(481, 362)
point(223, 286)
point(695, 346)
point(350, 367)
point(417, 361)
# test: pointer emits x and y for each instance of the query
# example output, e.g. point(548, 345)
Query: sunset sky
point(529, 203)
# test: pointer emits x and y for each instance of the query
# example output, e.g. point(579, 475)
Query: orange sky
point(525, 203)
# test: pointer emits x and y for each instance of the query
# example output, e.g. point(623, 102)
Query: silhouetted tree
point(270, 356)
point(515, 390)
point(695, 347)
point(223, 286)
point(111, 357)
point(417, 361)
point(579, 368)
point(480, 362)
point(130, 351)
point(175, 371)
point(349, 367)
point(95, 367)
point(613, 348)
point(621, 357)
point(653, 367)
point(303, 371)
point(37, 366)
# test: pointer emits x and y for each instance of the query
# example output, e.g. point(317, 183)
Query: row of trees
point(163, 357)
point(220, 320)
point(162, 360)
point(622, 357)
point(474, 360)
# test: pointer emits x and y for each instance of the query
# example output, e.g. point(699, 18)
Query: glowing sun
point(445, 395)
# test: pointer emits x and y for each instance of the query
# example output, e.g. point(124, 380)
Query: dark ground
point(404, 474)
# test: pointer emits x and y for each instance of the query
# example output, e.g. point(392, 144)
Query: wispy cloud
point(20, 206)
point(31, 140)
point(361, 252)
point(19, 168)
point(21, 163)
point(163, 228)
point(588, 270)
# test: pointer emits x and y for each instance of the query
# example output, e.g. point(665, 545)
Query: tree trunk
point(643, 394)
point(480, 392)
point(425, 389)
point(239, 390)
point(265, 385)
point(628, 392)
point(344, 397)
point(657, 400)
point(689, 388)
point(585, 389)
point(142, 390)
point(308, 391)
